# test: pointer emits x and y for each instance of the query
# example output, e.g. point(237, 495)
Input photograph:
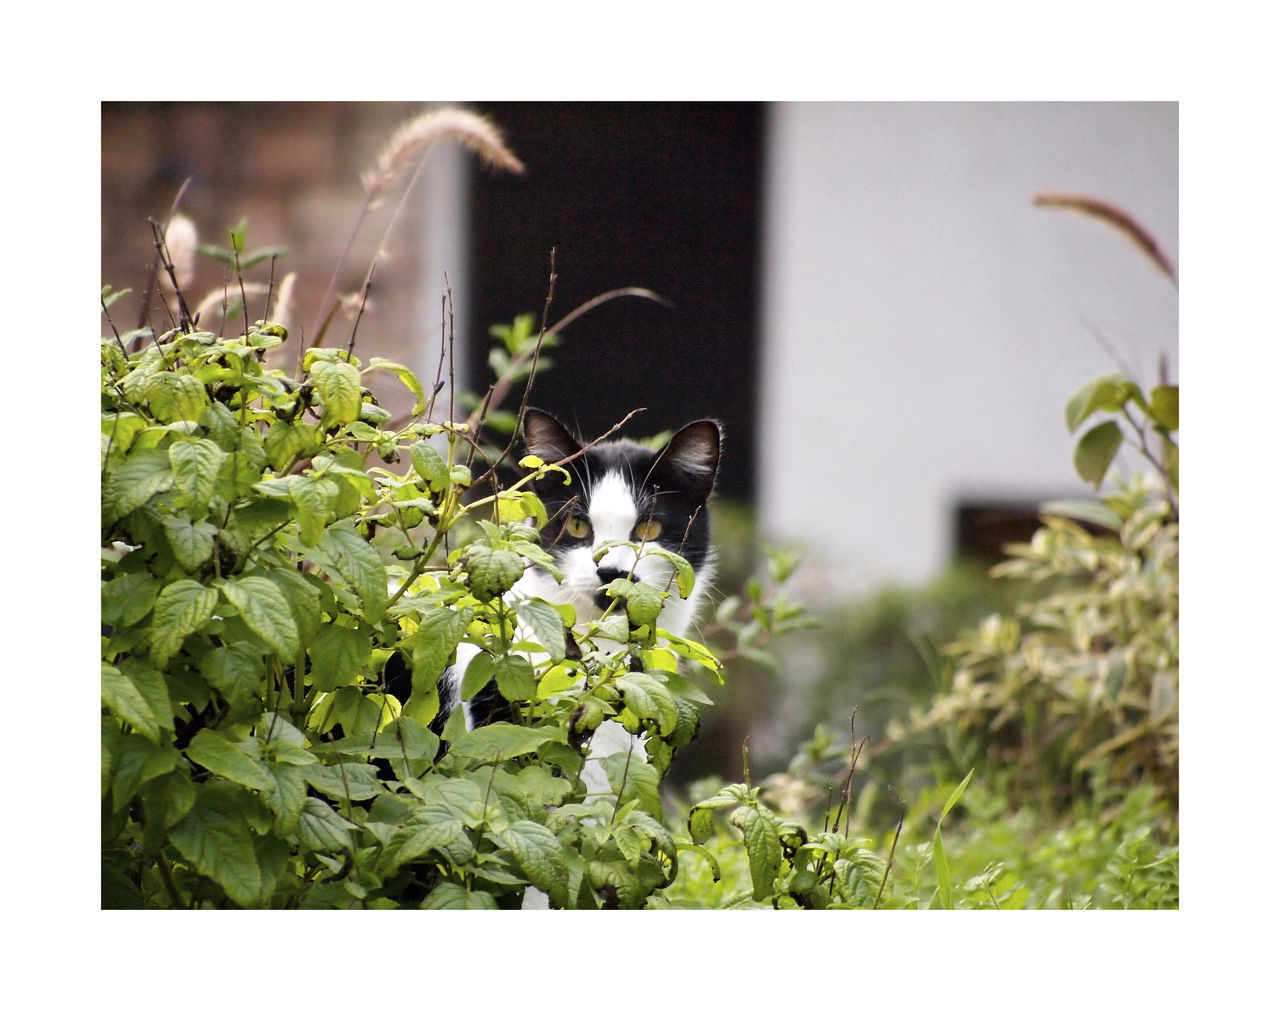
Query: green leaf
point(136, 761)
point(192, 542)
point(344, 780)
point(700, 824)
point(439, 632)
point(214, 752)
point(478, 673)
point(649, 699)
point(491, 573)
point(338, 656)
point(313, 498)
point(286, 441)
point(540, 856)
point(195, 467)
point(235, 670)
point(430, 466)
point(421, 837)
point(940, 865)
point(448, 895)
point(406, 376)
point(181, 608)
point(545, 623)
point(1105, 393)
point(265, 610)
point(644, 603)
point(219, 845)
point(1096, 450)
point(338, 385)
point(287, 797)
point(128, 598)
point(358, 563)
point(122, 697)
point(135, 482)
point(321, 829)
point(1163, 408)
point(502, 741)
point(764, 848)
point(514, 676)
point(174, 396)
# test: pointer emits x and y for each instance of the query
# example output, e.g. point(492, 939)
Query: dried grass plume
point(413, 139)
point(1117, 218)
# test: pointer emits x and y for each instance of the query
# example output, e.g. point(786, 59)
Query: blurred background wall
point(863, 292)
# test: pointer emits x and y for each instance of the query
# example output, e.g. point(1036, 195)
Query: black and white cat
point(618, 491)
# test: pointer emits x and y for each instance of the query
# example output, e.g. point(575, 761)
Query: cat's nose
point(608, 574)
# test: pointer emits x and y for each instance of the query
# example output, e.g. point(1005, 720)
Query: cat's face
point(620, 491)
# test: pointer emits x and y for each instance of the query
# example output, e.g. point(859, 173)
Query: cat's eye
point(576, 526)
point(648, 530)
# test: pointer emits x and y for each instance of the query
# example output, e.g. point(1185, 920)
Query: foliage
point(1080, 687)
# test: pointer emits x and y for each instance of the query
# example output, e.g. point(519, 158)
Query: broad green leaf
point(338, 385)
point(1163, 408)
point(128, 598)
point(358, 563)
point(219, 845)
point(122, 697)
point(420, 837)
point(649, 699)
point(545, 623)
point(433, 644)
point(303, 596)
point(196, 464)
point(344, 780)
point(265, 610)
point(136, 761)
point(192, 542)
point(764, 848)
point(406, 376)
point(287, 795)
point(644, 603)
point(502, 741)
point(338, 656)
point(314, 499)
point(1096, 450)
point(448, 895)
point(135, 482)
point(235, 670)
point(153, 687)
point(700, 824)
point(491, 573)
point(321, 829)
point(1105, 393)
point(513, 674)
point(478, 673)
point(174, 396)
point(168, 798)
point(287, 441)
point(430, 466)
point(181, 608)
point(540, 855)
point(214, 752)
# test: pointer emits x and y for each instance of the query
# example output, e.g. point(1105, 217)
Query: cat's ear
point(694, 453)
point(546, 438)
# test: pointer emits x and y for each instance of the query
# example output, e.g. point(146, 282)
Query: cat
point(618, 490)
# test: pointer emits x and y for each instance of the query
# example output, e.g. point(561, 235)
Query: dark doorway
point(664, 196)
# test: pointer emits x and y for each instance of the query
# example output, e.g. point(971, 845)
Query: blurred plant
point(1079, 690)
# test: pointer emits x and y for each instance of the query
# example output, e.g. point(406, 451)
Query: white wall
point(924, 324)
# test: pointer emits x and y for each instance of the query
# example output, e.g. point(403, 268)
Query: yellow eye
point(648, 530)
point(576, 526)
